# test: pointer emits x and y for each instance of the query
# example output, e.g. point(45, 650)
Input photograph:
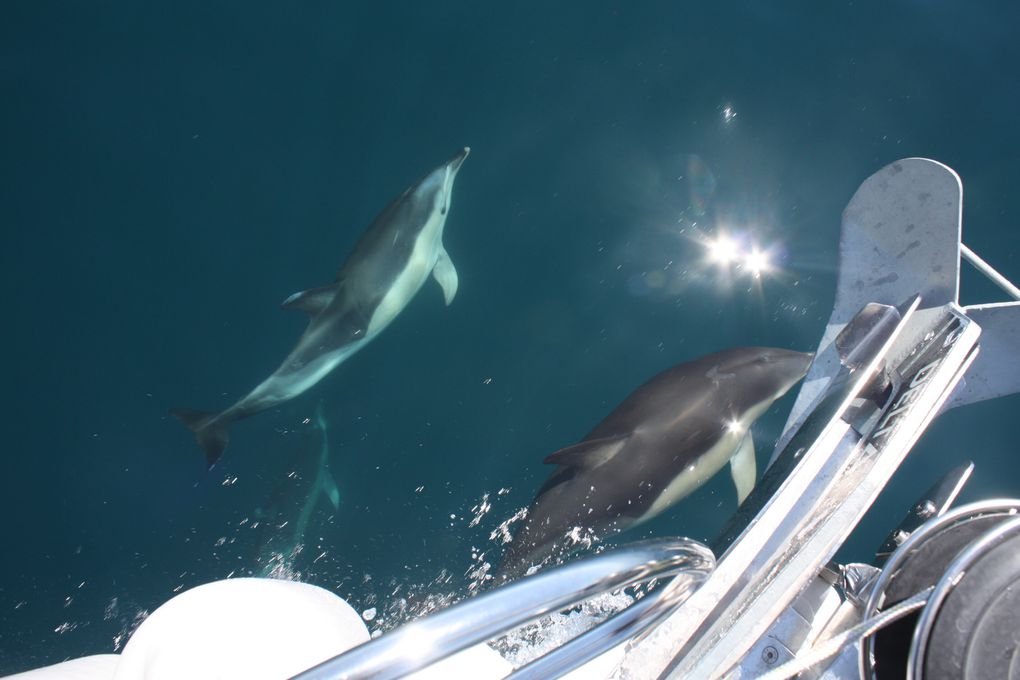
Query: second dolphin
point(664, 441)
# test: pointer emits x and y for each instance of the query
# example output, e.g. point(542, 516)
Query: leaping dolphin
point(389, 264)
point(664, 441)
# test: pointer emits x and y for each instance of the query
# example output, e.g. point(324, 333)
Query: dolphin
point(279, 549)
point(389, 264)
point(664, 441)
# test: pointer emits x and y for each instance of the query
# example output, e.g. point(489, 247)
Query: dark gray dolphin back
point(384, 249)
point(614, 476)
point(705, 393)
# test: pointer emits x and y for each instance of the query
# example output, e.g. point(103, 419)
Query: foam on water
point(403, 602)
point(533, 640)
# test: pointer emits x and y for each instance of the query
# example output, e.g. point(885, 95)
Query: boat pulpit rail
point(436, 637)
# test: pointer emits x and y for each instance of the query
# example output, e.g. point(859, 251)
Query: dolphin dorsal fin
point(446, 275)
point(313, 300)
point(587, 454)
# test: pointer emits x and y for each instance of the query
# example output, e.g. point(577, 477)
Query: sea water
point(171, 172)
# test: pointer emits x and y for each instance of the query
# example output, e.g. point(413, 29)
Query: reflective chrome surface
point(436, 637)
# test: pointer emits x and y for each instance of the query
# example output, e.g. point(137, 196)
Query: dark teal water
point(170, 172)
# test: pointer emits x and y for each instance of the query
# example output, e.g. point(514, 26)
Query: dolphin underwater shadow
point(666, 439)
point(388, 266)
point(283, 525)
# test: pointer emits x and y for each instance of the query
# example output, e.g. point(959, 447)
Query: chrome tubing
point(431, 639)
point(629, 624)
point(989, 271)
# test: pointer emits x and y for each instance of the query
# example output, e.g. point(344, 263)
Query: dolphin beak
point(454, 163)
point(808, 358)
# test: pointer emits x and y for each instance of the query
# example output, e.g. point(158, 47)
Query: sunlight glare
point(757, 262)
point(723, 250)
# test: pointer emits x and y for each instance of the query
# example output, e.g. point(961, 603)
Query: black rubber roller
point(922, 570)
point(976, 631)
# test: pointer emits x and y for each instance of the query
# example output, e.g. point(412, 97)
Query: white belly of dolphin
point(694, 475)
point(283, 385)
point(707, 464)
point(318, 369)
point(412, 277)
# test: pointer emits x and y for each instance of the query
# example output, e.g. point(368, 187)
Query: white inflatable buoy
point(254, 628)
point(96, 667)
point(602, 667)
point(480, 662)
point(249, 629)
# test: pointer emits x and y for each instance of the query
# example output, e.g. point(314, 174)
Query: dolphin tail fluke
point(328, 486)
point(212, 434)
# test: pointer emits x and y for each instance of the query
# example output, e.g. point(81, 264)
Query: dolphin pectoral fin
point(587, 454)
point(212, 434)
point(313, 300)
point(742, 467)
point(446, 275)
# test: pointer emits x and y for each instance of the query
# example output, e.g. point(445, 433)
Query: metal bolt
point(769, 655)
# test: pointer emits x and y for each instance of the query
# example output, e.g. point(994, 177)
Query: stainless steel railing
point(431, 639)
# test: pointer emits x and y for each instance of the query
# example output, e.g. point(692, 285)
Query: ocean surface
point(171, 171)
